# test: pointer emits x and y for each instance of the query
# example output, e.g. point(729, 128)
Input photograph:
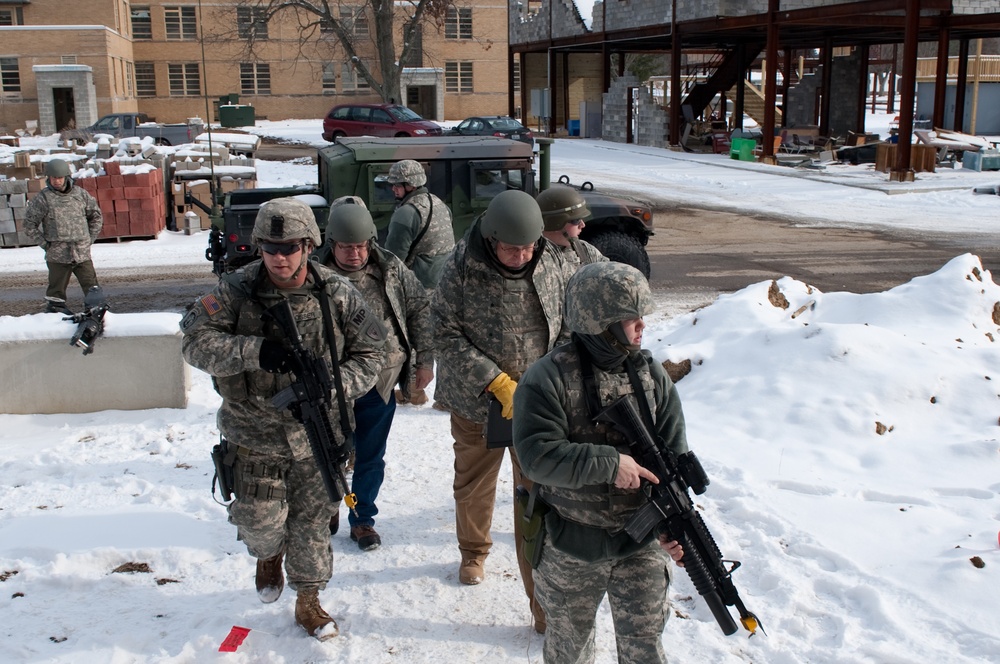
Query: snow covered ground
point(852, 449)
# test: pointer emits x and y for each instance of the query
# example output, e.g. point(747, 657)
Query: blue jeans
point(373, 418)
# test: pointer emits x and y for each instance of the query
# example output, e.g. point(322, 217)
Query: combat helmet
point(408, 172)
point(560, 205)
point(283, 219)
point(349, 223)
point(57, 168)
point(512, 217)
point(599, 295)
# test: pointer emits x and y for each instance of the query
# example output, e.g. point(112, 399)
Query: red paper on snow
point(234, 639)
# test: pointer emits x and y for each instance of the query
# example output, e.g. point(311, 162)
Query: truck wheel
point(623, 248)
point(162, 141)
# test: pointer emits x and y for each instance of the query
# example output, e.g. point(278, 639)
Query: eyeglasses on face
point(282, 248)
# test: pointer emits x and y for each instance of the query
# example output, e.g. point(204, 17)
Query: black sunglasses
point(282, 248)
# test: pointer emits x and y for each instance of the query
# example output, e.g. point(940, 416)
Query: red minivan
point(375, 120)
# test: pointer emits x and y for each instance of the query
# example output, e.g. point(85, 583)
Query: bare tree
point(317, 20)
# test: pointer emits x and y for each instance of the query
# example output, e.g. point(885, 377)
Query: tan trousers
point(475, 488)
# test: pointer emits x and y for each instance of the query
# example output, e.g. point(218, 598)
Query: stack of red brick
point(133, 205)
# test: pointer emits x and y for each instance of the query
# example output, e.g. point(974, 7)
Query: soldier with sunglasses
point(281, 510)
point(563, 212)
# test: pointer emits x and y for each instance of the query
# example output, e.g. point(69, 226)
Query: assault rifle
point(309, 400)
point(672, 512)
point(90, 323)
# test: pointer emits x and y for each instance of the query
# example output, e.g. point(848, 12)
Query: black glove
point(274, 358)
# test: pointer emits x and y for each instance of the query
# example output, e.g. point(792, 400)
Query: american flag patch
point(211, 304)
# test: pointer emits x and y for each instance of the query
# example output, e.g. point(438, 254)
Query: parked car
point(494, 125)
point(387, 120)
point(126, 125)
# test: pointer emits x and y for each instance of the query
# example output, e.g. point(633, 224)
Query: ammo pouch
point(532, 511)
point(223, 456)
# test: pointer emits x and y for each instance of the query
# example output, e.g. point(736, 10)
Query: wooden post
point(902, 172)
point(961, 81)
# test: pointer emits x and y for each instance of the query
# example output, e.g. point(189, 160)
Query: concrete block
point(136, 365)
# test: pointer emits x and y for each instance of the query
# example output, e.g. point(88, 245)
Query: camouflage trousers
point(298, 521)
point(571, 590)
point(59, 274)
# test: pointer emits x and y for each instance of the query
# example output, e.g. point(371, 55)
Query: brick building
point(70, 62)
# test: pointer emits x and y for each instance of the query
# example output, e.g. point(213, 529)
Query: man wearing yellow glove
point(502, 388)
point(497, 309)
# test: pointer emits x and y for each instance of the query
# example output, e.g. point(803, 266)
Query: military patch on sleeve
point(211, 304)
point(359, 317)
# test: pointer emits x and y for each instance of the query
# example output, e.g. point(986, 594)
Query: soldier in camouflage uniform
point(586, 475)
point(564, 211)
point(400, 301)
point(64, 220)
point(497, 309)
point(420, 230)
point(281, 509)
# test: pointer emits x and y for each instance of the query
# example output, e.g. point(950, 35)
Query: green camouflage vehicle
point(466, 172)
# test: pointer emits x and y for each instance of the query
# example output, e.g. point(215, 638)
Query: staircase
point(753, 103)
point(726, 75)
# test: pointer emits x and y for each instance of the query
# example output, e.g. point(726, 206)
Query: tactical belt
point(608, 500)
point(258, 470)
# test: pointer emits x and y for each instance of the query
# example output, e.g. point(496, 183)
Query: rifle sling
point(331, 340)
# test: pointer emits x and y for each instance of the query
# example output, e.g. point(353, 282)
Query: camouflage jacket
point(575, 460)
point(579, 252)
point(63, 223)
point(426, 256)
point(389, 286)
point(480, 322)
point(223, 333)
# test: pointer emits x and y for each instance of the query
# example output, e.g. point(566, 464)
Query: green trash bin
point(742, 149)
point(236, 116)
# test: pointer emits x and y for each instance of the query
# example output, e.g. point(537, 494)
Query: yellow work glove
point(503, 387)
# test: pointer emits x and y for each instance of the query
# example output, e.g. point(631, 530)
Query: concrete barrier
point(136, 364)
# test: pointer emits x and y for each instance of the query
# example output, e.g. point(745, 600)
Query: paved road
point(704, 251)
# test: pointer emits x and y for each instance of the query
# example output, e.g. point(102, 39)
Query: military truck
point(466, 172)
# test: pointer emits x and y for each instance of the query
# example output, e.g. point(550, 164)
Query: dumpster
point(240, 115)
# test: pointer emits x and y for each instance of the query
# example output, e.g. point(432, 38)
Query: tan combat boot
point(270, 580)
point(311, 616)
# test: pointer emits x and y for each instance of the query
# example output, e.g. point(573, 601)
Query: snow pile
point(858, 543)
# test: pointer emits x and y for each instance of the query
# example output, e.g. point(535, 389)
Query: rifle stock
point(309, 400)
point(672, 512)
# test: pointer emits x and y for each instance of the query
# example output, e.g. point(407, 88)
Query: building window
point(142, 22)
point(145, 79)
point(130, 79)
point(329, 78)
point(251, 22)
point(517, 76)
point(181, 22)
point(352, 80)
point(458, 23)
point(415, 58)
point(458, 77)
point(10, 77)
point(185, 79)
point(255, 78)
point(354, 20)
point(7, 17)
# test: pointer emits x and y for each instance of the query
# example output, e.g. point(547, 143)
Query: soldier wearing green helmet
point(497, 309)
point(397, 298)
point(585, 475)
point(281, 509)
point(64, 220)
point(420, 231)
point(564, 212)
